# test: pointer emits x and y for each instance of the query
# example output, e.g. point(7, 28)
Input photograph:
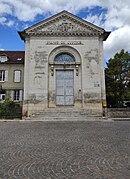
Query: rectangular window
point(3, 75)
point(16, 95)
point(2, 95)
point(17, 76)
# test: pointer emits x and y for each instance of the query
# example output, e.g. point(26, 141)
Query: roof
point(49, 21)
point(16, 57)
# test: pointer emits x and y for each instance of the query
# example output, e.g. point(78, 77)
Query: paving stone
point(65, 150)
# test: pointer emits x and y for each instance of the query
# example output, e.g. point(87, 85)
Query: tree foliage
point(117, 76)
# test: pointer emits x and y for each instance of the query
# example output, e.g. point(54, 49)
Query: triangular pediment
point(64, 24)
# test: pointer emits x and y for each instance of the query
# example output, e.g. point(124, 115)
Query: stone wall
point(118, 112)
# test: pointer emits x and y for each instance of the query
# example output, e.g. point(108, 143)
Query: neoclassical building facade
point(64, 65)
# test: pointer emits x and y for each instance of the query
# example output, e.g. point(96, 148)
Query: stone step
point(63, 117)
point(90, 118)
point(64, 114)
point(64, 110)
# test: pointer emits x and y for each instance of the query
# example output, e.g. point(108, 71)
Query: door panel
point(60, 82)
point(69, 82)
point(69, 91)
point(60, 100)
point(69, 100)
point(64, 87)
point(60, 90)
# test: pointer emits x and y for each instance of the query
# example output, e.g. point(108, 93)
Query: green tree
point(117, 76)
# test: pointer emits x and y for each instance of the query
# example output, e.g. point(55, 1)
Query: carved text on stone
point(64, 43)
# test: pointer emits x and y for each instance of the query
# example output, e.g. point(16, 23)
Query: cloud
point(118, 40)
point(96, 19)
point(26, 10)
point(5, 8)
point(5, 21)
point(2, 20)
point(118, 14)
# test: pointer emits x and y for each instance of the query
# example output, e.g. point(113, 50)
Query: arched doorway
point(64, 81)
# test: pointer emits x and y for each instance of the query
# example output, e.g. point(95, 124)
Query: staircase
point(64, 114)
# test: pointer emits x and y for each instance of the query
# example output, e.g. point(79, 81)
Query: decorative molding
point(69, 50)
point(64, 27)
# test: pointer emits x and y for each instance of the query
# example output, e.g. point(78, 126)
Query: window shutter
point(12, 95)
point(6, 75)
point(21, 95)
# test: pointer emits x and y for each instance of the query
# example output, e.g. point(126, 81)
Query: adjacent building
point(12, 75)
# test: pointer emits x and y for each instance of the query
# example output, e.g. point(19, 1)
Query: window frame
point(64, 58)
point(16, 97)
point(15, 81)
point(2, 75)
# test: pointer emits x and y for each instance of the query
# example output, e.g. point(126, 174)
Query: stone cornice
point(65, 34)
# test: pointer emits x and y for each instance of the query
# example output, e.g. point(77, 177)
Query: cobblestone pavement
point(65, 150)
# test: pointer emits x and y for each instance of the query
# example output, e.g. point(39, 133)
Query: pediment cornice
point(64, 24)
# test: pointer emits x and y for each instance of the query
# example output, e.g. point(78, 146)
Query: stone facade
point(64, 65)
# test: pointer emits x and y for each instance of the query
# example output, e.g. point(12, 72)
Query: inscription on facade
point(40, 59)
point(64, 43)
point(40, 65)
